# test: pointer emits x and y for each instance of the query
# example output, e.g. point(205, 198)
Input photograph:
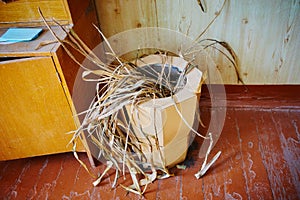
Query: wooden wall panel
point(265, 34)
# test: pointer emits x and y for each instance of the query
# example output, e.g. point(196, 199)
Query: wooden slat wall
point(265, 34)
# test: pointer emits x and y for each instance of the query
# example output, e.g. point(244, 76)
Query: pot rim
point(190, 89)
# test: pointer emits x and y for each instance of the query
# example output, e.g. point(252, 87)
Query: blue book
point(20, 34)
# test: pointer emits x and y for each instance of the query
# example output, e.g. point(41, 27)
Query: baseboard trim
point(262, 96)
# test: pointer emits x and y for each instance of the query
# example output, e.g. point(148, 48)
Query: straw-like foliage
point(124, 84)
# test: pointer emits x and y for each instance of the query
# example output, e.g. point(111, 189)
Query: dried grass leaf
point(44, 43)
point(205, 166)
point(210, 23)
point(202, 4)
point(80, 161)
point(181, 166)
point(109, 164)
point(232, 58)
point(149, 178)
point(204, 170)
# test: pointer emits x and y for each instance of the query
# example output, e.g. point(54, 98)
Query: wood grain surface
point(35, 113)
point(264, 34)
point(259, 160)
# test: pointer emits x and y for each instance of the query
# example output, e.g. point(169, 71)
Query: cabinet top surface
point(43, 45)
point(22, 12)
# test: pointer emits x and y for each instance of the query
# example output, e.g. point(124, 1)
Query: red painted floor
point(260, 160)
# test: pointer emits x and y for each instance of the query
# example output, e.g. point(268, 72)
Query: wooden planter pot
point(166, 121)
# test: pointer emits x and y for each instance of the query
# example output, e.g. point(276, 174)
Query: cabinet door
point(34, 112)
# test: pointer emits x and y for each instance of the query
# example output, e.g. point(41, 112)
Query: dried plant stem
point(202, 4)
point(205, 166)
point(109, 165)
point(211, 22)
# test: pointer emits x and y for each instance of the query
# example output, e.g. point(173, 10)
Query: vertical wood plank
point(294, 116)
point(226, 179)
point(117, 16)
point(65, 181)
point(290, 145)
point(270, 144)
point(254, 171)
point(11, 175)
point(192, 188)
point(264, 34)
point(169, 188)
point(27, 184)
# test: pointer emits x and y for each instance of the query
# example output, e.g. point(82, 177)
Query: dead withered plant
point(124, 84)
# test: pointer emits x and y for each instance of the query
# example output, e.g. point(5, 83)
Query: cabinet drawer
point(35, 114)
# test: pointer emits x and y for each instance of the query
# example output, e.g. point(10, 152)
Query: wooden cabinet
point(36, 108)
point(35, 113)
point(25, 12)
